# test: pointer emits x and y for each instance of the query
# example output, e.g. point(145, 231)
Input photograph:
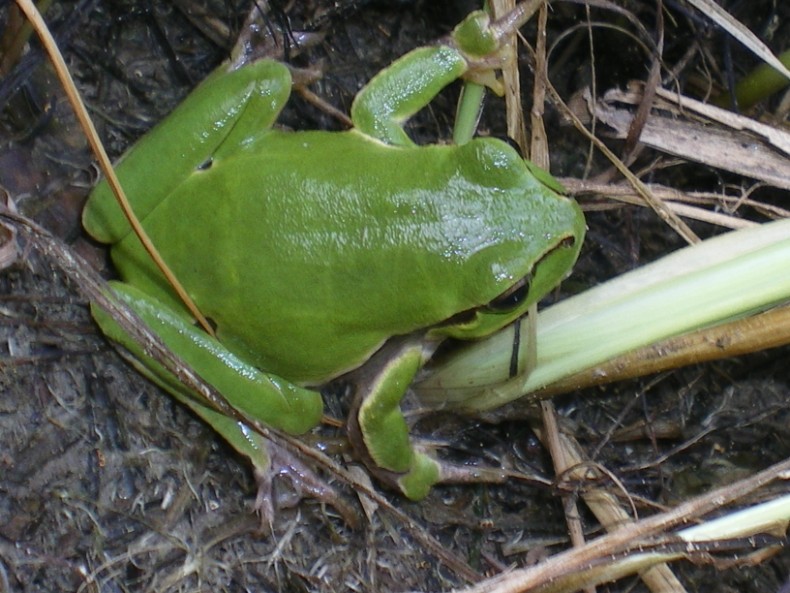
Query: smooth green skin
point(311, 250)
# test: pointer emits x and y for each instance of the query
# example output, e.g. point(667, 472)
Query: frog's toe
point(264, 500)
point(304, 483)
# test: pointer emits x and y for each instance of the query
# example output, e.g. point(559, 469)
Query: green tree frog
point(328, 255)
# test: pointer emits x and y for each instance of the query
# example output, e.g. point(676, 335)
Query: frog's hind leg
point(255, 394)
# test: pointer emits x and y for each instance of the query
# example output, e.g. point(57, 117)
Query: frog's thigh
point(258, 395)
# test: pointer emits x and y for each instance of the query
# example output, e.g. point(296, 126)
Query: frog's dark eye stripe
point(514, 358)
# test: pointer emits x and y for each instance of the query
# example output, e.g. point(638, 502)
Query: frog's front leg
point(411, 82)
point(378, 429)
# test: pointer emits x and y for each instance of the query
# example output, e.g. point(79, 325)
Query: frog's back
point(312, 248)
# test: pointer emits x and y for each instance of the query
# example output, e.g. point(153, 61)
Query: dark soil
point(107, 484)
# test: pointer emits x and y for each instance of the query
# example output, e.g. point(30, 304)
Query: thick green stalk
point(726, 277)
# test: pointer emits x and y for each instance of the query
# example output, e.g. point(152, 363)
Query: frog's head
point(532, 239)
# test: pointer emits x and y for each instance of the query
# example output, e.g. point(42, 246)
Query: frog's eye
point(511, 298)
point(511, 142)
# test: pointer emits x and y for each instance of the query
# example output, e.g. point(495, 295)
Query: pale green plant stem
point(732, 275)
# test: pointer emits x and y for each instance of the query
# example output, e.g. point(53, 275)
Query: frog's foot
point(426, 471)
point(305, 483)
point(264, 37)
point(454, 473)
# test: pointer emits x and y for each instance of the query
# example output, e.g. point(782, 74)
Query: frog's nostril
point(568, 242)
point(205, 165)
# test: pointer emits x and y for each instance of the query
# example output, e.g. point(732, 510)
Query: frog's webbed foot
point(265, 35)
point(304, 483)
